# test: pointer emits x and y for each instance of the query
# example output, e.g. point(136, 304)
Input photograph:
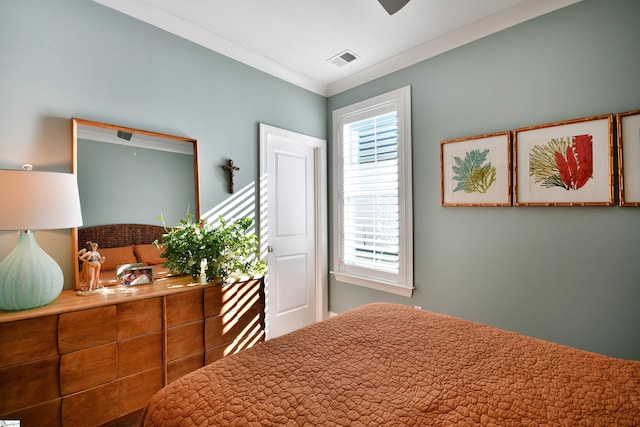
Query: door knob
point(269, 248)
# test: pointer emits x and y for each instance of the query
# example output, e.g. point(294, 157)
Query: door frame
point(320, 204)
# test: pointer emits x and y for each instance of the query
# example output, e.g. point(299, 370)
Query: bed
point(125, 244)
point(388, 364)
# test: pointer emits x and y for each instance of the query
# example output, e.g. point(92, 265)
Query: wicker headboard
point(117, 235)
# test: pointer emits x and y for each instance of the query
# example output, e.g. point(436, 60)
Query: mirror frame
point(75, 122)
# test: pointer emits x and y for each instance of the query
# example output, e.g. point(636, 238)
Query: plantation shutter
point(371, 193)
point(373, 223)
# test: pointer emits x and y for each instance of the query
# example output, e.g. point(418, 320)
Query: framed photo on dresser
point(137, 276)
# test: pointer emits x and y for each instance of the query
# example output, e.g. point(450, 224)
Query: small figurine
point(83, 270)
point(93, 262)
point(203, 271)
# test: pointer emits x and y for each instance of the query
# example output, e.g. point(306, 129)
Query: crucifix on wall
point(232, 170)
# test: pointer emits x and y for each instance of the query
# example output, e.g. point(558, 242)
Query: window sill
point(380, 285)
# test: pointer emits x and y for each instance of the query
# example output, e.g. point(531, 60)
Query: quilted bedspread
point(386, 364)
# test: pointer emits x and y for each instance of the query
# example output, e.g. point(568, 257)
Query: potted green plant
point(220, 251)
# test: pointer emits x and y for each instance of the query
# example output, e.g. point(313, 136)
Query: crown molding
point(164, 20)
point(510, 17)
point(484, 27)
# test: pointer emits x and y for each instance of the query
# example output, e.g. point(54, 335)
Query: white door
point(293, 228)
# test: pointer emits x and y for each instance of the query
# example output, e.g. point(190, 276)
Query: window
point(373, 231)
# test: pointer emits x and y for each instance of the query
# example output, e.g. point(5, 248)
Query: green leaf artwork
point(471, 174)
point(562, 162)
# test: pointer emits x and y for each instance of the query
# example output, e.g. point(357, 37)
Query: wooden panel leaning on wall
point(84, 361)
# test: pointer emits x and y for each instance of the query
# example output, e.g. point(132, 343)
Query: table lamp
point(29, 201)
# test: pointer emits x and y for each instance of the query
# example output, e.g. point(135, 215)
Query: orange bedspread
point(385, 364)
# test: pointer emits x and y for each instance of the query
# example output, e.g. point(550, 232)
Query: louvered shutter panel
point(370, 193)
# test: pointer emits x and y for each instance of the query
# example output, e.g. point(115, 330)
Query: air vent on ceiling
point(343, 58)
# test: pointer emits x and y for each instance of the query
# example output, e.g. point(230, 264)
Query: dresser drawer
point(139, 354)
point(88, 368)
point(87, 328)
point(219, 329)
point(139, 317)
point(238, 330)
point(216, 353)
point(92, 407)
point(250, 293)
point(184, 340)
point(135, 391)
point(29, 384)
point(44, 414)
point(248, 328)
point(184, 307)
point(180, 367)
point(219, 300)
point(30, 339)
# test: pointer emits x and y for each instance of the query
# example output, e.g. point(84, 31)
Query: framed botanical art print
point(476, 171)
point(629, 157)
point(567, 163)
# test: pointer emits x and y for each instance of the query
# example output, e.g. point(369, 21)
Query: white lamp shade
point(34, 200)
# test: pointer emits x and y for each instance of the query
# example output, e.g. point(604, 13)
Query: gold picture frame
point(476, 170)
point(567, 163)
point(628, 137)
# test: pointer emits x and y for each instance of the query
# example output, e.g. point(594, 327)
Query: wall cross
point(232, 170)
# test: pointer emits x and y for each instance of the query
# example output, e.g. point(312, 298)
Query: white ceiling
point(294, 39)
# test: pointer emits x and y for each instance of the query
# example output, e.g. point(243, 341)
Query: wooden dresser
point(84, 361)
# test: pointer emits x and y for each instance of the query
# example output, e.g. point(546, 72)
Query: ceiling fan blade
point(392, 6)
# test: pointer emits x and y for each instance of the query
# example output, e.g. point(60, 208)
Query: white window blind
point(370, 193)
point(373, 233)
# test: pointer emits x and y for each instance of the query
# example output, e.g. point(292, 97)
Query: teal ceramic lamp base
point(29, 277)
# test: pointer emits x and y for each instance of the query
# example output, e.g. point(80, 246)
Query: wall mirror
point(132, 181)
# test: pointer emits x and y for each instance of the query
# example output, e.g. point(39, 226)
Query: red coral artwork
point(576, 167)
point(565, 162)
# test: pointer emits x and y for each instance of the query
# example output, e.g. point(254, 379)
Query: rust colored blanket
point(385, 364)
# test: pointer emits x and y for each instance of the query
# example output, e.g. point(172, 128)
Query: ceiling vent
point(343, 58)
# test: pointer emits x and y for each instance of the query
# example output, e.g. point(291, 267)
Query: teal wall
point(566, 274)
point(75, 58)
point(120, 184)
